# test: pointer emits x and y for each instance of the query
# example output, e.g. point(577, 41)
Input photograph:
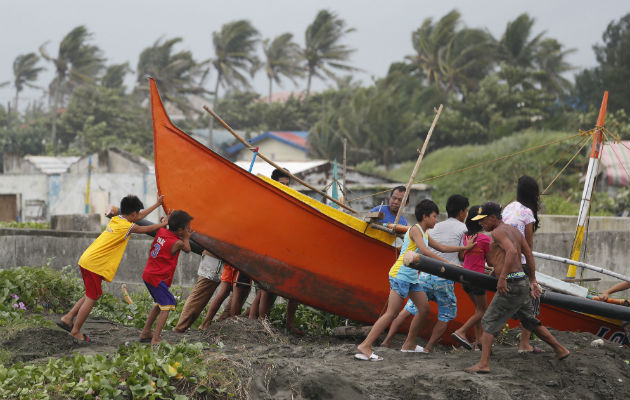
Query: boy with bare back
point(513, 287)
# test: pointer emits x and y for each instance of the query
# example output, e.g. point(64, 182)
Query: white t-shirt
point(210, 268)
point(449, 232)
point(519, 216)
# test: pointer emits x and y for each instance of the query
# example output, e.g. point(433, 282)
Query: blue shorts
point(162, 296)
point(403, 287)
point(441, 291)
point(411, 308)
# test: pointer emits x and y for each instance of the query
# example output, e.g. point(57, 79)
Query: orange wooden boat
point(295, 246)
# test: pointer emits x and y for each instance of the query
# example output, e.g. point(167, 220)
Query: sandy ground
point(274, 365)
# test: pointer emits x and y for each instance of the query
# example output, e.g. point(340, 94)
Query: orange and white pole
point(591, 174)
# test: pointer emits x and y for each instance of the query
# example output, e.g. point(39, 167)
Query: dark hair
point(130, 204)
point(490, 208)
point(178, 220)
point(473, 226)
point(398, 189)
point(528, 194)
point(425, 208)
point(455, 204)
point(279, 173)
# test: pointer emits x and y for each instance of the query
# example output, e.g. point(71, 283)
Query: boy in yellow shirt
point(101, 259)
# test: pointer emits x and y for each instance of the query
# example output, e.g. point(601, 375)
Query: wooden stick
point(415, 168)
point(343, 181)
point(247, 145)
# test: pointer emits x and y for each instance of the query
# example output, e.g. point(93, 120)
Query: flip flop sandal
point(465, 343)
point(86, 339)
point(535, 350)
point(146, 339)
point(64, 326)
point(372, 357)
point(418, 349)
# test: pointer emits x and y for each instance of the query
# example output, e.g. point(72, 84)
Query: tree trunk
point(53, 135)
point(17, 94)
point(214, 104)
point(308, 83)
point(270, 83)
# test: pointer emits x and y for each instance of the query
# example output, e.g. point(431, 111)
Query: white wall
point(274, 150)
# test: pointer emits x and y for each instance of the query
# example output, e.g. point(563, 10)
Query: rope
point(561, 156)
point(480, 164)
point(565, 167)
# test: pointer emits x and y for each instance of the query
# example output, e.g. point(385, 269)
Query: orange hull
point(293, 249)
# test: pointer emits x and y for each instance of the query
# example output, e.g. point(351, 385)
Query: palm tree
point(282, 58)
point(515, 47)
point(430, 41)
point(114, 76)
point(177, 74)
point(25, 71)
point(551, 65)
point(322, 48)
point(77, 63)
point(234, 56)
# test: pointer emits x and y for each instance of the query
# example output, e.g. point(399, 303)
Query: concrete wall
point(609, 250)
point(567, 223)
point(19, 247)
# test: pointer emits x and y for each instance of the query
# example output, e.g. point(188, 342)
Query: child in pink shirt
point(474, 260)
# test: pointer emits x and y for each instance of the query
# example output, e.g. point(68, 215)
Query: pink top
point(475, 258)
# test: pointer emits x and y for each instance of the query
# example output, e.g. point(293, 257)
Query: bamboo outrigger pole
point(247, 145)
point(415, 168)
point(581, 265)
point(591, 174)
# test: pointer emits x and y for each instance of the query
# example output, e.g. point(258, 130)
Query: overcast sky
point(123, 28)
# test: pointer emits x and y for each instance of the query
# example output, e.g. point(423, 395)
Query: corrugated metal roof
point(295, 167)
point(616, 163)
point(297, 139)
point(52, 165)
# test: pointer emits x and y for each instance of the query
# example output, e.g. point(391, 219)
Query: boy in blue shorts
point(404, 280)
point(160, 268)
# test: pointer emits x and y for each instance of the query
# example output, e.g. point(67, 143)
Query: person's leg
point(395, 325)
point(238, 299)
point(146, 332)
point(394, 304)
point(479, 301)
point(69, 317)
point(82, 315)
point(227, 308)
point(543, 333)
point(436, 334)
point(524, 343)
point(253, 309)
point(161, 321)
point(486, 347)
point(195, 303)
point(292, 306)
point(264, 306)
point(422, 304)
point(223, 292)
point(481, 306)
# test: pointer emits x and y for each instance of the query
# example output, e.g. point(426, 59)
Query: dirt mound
point(273, 365)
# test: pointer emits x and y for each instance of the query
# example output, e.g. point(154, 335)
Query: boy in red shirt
point(160, 268)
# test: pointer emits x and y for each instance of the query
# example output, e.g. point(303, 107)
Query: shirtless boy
point(513, 288)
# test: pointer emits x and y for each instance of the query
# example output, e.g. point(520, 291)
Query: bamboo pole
point(343, 180)
point(247, 145)
point(415, 168)
point(580, 264)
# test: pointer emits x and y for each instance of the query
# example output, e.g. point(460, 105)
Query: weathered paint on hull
point(294, 249)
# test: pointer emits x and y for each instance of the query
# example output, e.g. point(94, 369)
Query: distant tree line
point(491, 87)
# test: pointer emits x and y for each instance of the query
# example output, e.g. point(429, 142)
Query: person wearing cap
point(514, 289)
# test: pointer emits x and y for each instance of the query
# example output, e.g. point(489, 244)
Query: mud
point(274, 365)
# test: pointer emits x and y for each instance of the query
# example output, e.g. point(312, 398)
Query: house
point(365, 190)
point(36, 187)
point(614, 168)
point(277, 145)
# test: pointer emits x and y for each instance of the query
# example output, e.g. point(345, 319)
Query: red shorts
point(229, 273)
point(92, 283)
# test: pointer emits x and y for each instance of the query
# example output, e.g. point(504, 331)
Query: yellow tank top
point(104, 254)
point(400, 270)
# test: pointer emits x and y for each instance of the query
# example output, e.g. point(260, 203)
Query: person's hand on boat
point(410, 257)
point(535, 288)
point(160, 200)
point(502, 286)
point(472, 242)
point(603, 296)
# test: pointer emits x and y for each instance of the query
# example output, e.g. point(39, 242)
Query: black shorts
point(473, 290)
point(243, 280)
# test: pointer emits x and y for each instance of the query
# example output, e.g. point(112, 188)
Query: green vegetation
point(25, 225)
point(307, 319)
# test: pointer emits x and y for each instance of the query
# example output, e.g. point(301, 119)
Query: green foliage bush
point(25, 225)
point(307, 319)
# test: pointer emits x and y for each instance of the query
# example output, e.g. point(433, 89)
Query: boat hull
point(288, 246)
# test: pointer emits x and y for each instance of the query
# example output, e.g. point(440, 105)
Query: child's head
point(473, 226)
point(455, 205)
point(130, 206)
point(427, 212)
point(179, 221)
